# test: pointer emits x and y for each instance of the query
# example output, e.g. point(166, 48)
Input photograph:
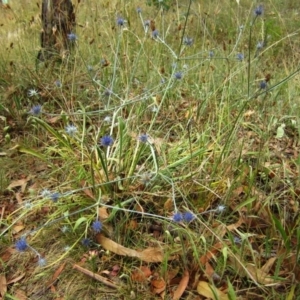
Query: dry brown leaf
point(172, 274)
point(56, 274)
point(249, 113)
point(152, 255)
point(53, 120)
point(141, 274)
point(88, 192)
point(231, 227)
point(19, 198)
point(132, 225)
point(16, 279)
point(53, 289)
point(182, 286)
point(251, 271)
point(19, 183)
point(169, 205)
point(103, 214)
point(268, 265)
point(158, 285)
point(114, 247)
point(209, 270)
point(259, 275)
point(147, 255)
point(139, 207)
point(18, 228)
point(5, 256)
point(211, 253)
point(207, 290)
point(3, 285)
point(20, 295)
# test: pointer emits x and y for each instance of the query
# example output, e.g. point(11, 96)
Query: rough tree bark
point(58, 20)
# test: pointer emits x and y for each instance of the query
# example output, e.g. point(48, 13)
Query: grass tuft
point(158, 159)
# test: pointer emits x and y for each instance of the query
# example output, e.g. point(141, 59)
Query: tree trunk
point(58, 20)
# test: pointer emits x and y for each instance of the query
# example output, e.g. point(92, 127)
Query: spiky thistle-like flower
point(21, 245)
point(177, 217)
point(188, 41)
point(71, 129)
point(72, 37)
point(86, 242)
point(263, 85)
point(32, 92)
point(240, 56)
point(106, 141)
point(120, 21)
point(42, 262)
point(54, 196)
point(143, 138)
point(97, 226)
point(178, 75)
point(188, 217)
point(259, 10)
point(155, 34)
point(36, 110)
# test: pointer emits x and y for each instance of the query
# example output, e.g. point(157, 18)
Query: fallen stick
point(95, 276)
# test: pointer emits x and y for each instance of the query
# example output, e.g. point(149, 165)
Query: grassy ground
point(163, 159)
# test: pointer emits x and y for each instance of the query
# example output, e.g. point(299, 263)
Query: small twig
point(95, 276)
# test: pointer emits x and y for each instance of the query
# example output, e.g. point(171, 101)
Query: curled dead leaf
point(158, 285)
point(209, 291)
point(103, 214)
point(141, 274)
point(252, 272)
point(151, 254)
point(3, 285)
point(182, 286)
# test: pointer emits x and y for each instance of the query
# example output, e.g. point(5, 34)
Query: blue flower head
point(58, 83)
point(55, 196)
point(147, 23)
point(188, 216)
point(36, 110)
point(211, 54)
point(240, 56)
point(107, 92)
point(21, 244)
point(155, 34)
point(143, 138)
point(120, 21)
point(237, 240)
point(86, 242)
point(177, 217)
point(263, 85)
point(259, 45)
point(178, 75)
point(106, 141)
point(188, 41)
point(97, 226)
point(139, 10)
point(259, 10)
point(72, 37)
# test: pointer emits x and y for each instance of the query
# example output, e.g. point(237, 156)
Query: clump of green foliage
point(175, 129)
